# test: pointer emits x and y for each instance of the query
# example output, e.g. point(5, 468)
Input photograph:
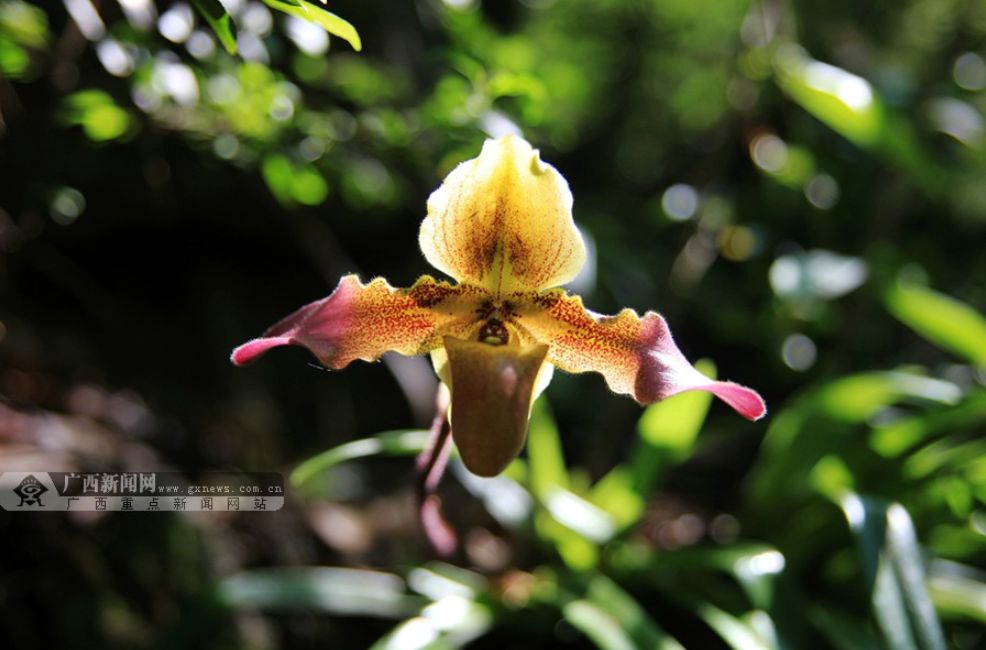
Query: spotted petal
point(363, 321)
point(637, 355)
point(503, 221)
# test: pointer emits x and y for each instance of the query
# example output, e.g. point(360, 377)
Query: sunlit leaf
point(449, 622)
point(505, 499)
point(14, 60)
point(547, 465)
point(894, 438)
point(415, 633)
point(858, 397)
point(579, 515)
point(393, 443)
point(293, 183)
point(894, 571)
point(23, 23)
point(821, 421)
point(950, 451)
point(850, 105)
point(595, 623)
point(100, 118)
point(548, 480)
point(220, 22)
point(755, 567)
point(832, 477)
point(667, 431)
point(941, 319)
point(616, 493)
point(614, 620)
point(327, 20)
point(842, 100)
point(672, 425)
point(354, 592)
point(958, 590)
point(737, 633)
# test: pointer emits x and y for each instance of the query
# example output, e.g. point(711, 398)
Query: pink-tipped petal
point(363, 321)
point(637, 355)
point(253, 349)
point(664, 371)
point(745, 401)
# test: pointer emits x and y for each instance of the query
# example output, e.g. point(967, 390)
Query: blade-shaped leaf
point(579, 515)
point(547, 478)
point(736, 632)
point(331, 589)
point(850, 106)
point(896, 437)
point(958, 590)
point(941, 319)
point(614, 620)
point(395, 443)
point(327, 20)
point(448, 623)
point(220, 22)
point(820, 421)
point(547, 464)
point(844, 631)
point(894, 571)
point(667, 432)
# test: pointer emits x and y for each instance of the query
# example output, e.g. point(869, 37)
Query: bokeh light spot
point(969, 71)
point(309, 37)
point(680, 201)
point(768, 152)
point(822, 191)
point(737, 243)
point(176, 23)
point(799, 352)
point(67, 203)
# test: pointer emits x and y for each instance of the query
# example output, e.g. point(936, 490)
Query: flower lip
point(492, 388)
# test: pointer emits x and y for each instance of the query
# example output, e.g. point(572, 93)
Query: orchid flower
point(501, 226)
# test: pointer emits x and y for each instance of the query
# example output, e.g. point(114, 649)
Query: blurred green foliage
point(797, 186)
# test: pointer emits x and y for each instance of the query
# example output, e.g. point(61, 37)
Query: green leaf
point(98, 115)
point(941, 319)
point(841, 100)
point(614, 620)
point(894, 572)
point(547, 465)
point(292, 183)
point(667, 432)
point(579, 515)
point(896, 437)
point(220, 22)
point(843, 630)
point(952, 451)
point(958, 590)
point(548, 481)
point(353, 592)
point(23, 24)
point(820, 422)
point(736, 632)
point(448, 623)
point(850, 105)
point(394, 443)
point(597, 625)
point(327, 20)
